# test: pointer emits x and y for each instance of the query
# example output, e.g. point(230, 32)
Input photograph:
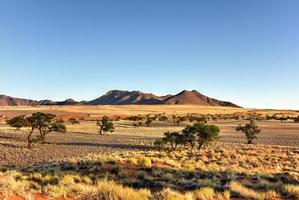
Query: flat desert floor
point(83, 138)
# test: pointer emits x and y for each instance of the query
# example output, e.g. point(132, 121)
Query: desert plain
point(125, 164)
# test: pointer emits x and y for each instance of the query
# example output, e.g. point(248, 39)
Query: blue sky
point(244, 51)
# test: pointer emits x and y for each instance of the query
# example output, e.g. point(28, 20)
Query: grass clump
point(111, 190)
point(132, 161)
point(146, 162)
point(292, 190)
point(243, 191)
point(168, 194)
point(205, 193)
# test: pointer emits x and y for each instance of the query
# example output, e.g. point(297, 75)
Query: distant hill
point(196, 98)
point(11, 101)
point(120, 97)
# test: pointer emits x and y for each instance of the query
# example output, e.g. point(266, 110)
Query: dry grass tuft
point(146, 162)
point(168, 194)
point(243, 191)
point(205, 193)
point(111, 190)
point(292, 190)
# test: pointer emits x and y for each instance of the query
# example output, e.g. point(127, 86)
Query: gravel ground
point(83, 140)
point(13, 149)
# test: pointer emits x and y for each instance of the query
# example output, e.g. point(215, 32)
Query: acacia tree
point(106, 125)
point(250, 130)
point(44, 123)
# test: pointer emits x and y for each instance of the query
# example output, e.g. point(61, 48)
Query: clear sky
point(244, 51)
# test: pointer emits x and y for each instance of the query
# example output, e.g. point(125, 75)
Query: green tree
point(250, 130)
point(106, 125)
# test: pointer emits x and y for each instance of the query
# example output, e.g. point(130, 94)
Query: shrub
point(163, 118)
point(149, 120)
point(74, 121)
point(179, 120)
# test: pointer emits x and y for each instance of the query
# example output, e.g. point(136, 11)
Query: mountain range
point(120, 97)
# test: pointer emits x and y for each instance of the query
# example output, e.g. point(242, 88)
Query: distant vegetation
point(74, 121)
